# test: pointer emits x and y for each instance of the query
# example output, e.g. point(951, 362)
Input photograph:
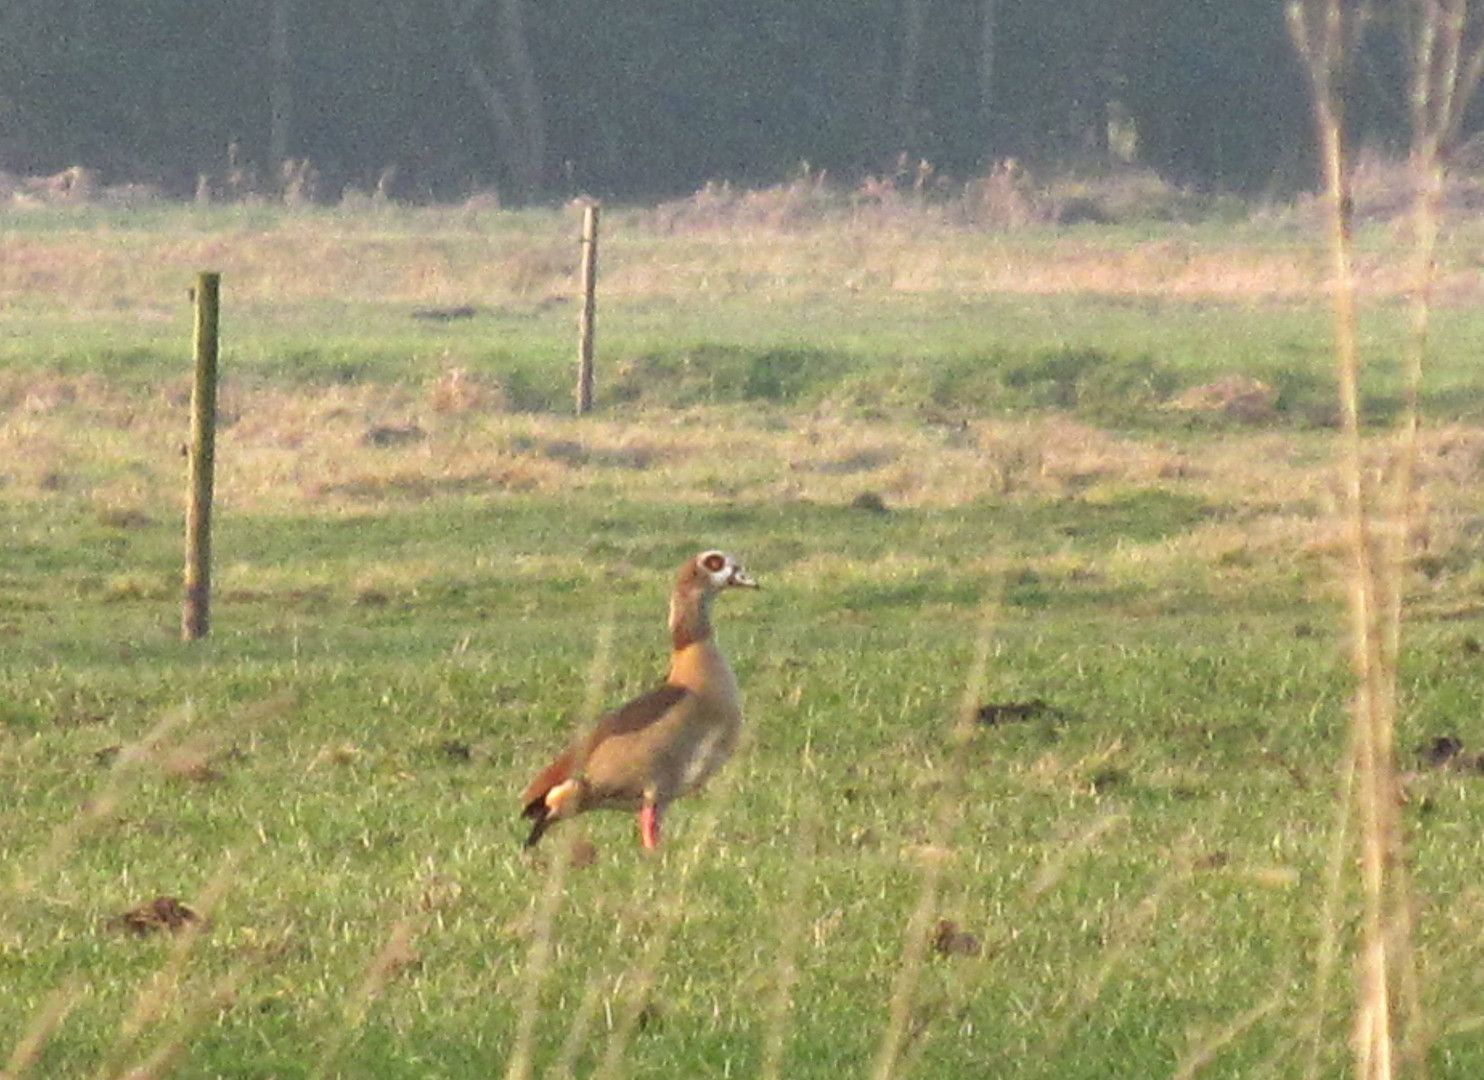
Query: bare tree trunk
point(280, 85)
point(527, 93)
point(914, 20)
point(988, 27)
point(512, 102)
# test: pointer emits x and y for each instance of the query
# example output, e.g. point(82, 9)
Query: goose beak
point(738, 578)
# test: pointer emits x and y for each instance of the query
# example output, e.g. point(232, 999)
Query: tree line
point(542, 98)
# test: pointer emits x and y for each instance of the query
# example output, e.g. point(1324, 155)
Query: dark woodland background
point(431, 99)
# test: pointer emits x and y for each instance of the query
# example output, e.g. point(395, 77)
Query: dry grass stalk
point(1445, 72)
point(576, 1038)
point(1446, 68)
point(162, 1060)
point(52, 1014)
point(791, 934)
point(1066, 849)
point(916, 935)
point(1124, 939)
point(1326, 35)
point(1328, 950)
point(156, 996)
point(396, 953)
point(1212, 1045)
point(538, 959)
point(123, 771)
point(641, 977)
point(1375, 701)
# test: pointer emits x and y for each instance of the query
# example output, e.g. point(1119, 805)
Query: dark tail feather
point(541, 820)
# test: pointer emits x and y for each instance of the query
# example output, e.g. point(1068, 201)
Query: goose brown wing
point(638, 714)
point(644, 710)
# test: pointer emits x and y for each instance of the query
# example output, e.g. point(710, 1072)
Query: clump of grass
point(724, 374)
point(1004, 198)
point(805, 200)
point(1092, 384)
point(42, 1027)
point(1008, 197)
point(457, 390)
point(917, 934)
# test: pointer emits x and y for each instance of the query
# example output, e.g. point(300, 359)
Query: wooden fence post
point(195, 619)
point(587, 318)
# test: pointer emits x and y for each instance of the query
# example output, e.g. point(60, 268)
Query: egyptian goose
point(665, 743)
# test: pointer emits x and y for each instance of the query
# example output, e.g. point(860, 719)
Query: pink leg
point(649, 826)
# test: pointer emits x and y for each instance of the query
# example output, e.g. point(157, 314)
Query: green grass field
point(929, 444)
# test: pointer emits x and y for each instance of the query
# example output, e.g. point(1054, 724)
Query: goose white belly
point(708, 755)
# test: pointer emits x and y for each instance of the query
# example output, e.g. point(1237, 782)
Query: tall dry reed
point(1382, 520)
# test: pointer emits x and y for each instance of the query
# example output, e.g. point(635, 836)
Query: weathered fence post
point(586, 319)
point(195, 619)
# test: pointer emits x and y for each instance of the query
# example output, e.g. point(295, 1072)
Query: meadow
point(1046, 685)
